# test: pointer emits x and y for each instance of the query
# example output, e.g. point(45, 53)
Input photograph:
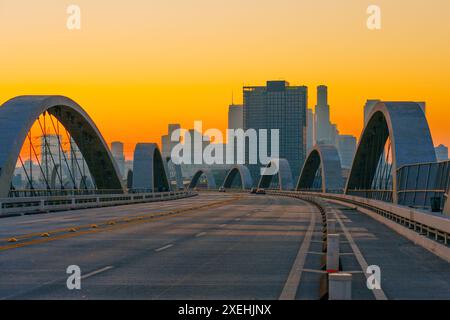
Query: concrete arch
point(407, 127)
point(149, 174)
point(210, 179)
point(327, 158)
point(178, 172)
point(18, 115)
point(245, 176)
point(285, 180)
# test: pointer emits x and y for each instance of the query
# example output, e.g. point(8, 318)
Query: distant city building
point(29, 171)
point(278, 106)
point(166, 140)
point(196, 153)
point(119, 157)
point(128, 165)
point(309, 130)
point(441, 152)
point(165, 146)
point(235, 117)
point(346, 145)
point(79, 168)
point(322, 117)
point(50, 155)
point(334, 134)
point(235, 121)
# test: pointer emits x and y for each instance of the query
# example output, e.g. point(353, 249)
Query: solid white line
point(201, 234)
point(93, 273)
point(291, 286)
point(164, 248)
point(378, 293)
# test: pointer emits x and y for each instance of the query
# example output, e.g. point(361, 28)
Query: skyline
point(143, 65)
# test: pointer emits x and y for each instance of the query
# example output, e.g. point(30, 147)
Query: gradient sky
point(137, 65)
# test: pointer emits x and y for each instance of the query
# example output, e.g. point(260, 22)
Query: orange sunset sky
point(137, 65)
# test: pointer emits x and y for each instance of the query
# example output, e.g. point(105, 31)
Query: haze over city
point(146, 64)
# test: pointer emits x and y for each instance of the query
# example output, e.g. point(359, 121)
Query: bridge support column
point(340, 286)
point(333, 253)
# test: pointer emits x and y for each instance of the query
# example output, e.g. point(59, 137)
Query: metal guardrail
point(62, 192)
point(30, 205)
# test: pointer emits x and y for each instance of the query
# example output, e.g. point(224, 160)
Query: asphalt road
point(240, 249)
point(233, 247)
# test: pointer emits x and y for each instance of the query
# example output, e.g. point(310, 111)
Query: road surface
point(214, 246)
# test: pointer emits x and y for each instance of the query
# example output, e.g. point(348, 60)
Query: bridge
point(327, 236)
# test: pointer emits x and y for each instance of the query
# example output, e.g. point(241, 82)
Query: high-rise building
point(165, 146)
point(322, 116)
point(441, 152)
point(334, 134)
point(309, 130)
point(346, 145)
point(278, 106)
point(166, 140)
point(235, 117)
point(235, 121)
point(119, 157)
point(50, 155)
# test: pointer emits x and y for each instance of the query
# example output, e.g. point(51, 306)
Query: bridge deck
point(253, 247)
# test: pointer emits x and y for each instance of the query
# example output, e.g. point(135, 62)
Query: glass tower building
point(278, 106)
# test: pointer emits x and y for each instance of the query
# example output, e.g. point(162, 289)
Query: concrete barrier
point(31, 205)
point(331, 226)
point(339, 286)
point(333, 253)
point(426, 229)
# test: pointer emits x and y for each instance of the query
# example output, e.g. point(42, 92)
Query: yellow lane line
point(110, 227)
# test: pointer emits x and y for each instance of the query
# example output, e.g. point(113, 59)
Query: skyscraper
point(235, 121)
point(166, 140)
point(334, 134)
point(50, 155)
point(235, 117)
point(322, 115)
point(309, 130)
point(278, 106)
